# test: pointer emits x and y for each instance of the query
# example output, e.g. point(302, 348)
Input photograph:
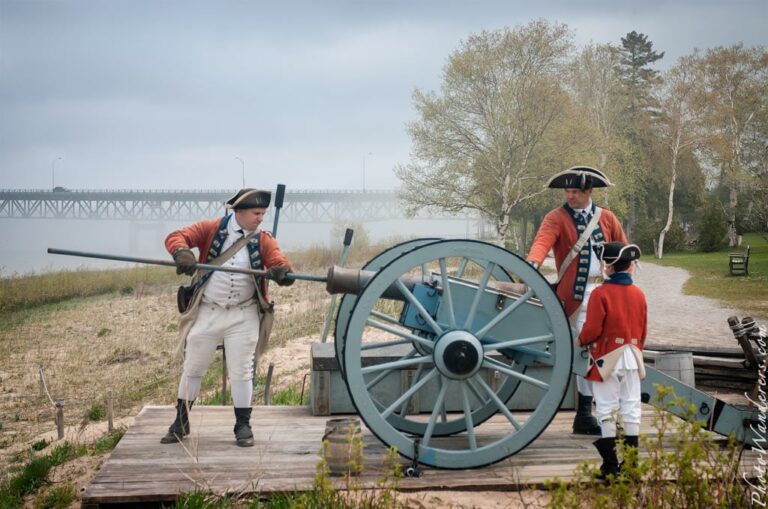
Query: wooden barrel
point(677, 365)
point(343, 446)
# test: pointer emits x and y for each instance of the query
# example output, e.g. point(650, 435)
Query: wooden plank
point(288, 441)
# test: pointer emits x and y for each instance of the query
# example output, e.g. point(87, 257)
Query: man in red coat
point(615, 330)
point(225, 304)
point(579, 270)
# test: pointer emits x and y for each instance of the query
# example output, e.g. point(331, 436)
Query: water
point(27, 240)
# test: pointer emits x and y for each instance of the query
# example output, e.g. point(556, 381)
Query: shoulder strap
point(580, 243)
point(228, 253)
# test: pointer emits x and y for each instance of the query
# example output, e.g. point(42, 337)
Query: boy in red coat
point(615, 331)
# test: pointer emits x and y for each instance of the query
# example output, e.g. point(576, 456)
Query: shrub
point(713, 229)
point(706, 474)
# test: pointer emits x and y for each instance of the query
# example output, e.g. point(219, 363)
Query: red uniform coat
point(558, 232)
point(617, 318)
point(201, 234)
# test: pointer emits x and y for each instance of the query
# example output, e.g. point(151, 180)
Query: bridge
point(301, 206)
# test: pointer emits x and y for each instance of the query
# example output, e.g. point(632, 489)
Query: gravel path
point(676, 318)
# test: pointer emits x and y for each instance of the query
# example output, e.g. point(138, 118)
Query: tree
point(735, 88)
point(479, 143)
point(638, 80)
point(713, 229)
point(678, 125)
point(636, 55)
point(597, 90)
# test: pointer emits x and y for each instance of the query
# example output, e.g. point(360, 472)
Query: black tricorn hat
point(579, 177)
point(612, 252)
point(249, 199)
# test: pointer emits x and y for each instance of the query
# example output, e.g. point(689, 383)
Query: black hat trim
point(579, 177)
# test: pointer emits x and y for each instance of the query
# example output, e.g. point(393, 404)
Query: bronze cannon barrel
point(342, 280)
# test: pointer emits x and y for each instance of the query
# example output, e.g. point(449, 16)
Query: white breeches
point(583, 385)
point(618, 396)
point(239, 329)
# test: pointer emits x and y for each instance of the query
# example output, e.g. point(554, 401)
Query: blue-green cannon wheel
point(469, 324)
point(348, 300)
point(401, 420)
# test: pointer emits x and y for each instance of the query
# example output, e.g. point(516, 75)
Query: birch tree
point(735, 87)
point(679, 125)
point(476, 142)
point(597, 89)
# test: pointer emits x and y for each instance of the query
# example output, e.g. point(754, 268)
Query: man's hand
point(277, 274)
point(185, 261)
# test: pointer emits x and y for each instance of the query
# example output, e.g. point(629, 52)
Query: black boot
point(243, 432)
point(180, 427)
point(607, 449)
point(630, 441)
point(585, 423)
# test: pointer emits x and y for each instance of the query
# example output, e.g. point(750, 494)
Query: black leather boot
point(630, 441)
point(180, 427)
point(243, 433)
point(607, 449)
point(585, 423)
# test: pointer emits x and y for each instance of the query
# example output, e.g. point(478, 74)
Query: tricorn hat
point(612, 252)
point(249, 199)
point(579, 177)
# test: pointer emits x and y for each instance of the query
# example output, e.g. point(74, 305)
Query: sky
point(316, 95)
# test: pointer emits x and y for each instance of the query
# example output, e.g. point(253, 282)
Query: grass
point(19, 292)
point(36, 473)
point(710, 276)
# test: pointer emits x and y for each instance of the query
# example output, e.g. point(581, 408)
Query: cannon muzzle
point(341, 280)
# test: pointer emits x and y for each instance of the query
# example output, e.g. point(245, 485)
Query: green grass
point(291, 396)
point(710, 276)
point(35, 473)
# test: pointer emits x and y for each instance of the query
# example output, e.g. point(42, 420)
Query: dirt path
point(679, 319)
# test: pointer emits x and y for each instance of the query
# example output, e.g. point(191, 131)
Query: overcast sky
point(169, 94)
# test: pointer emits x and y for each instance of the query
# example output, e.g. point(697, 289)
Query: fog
point(144, 239)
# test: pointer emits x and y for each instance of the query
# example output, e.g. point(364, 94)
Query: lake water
point(27, 240)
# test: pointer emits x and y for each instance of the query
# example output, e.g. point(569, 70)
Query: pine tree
point(636, 55)
point(637, 78)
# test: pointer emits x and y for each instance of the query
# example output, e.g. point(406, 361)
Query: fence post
point(59, 403)
point(110, 423)
point(268, 385)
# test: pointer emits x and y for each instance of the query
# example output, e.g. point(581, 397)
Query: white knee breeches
point(239, 329)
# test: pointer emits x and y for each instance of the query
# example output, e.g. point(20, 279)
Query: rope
point(41, 370)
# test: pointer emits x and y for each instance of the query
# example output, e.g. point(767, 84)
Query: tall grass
point(18, 292)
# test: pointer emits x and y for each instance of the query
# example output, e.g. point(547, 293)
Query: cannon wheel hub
point(458, 354)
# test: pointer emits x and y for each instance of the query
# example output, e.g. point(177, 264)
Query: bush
point(706, 474)
point(646, 236)
point(713, 229)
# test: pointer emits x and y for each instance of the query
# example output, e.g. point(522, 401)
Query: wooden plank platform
point(288, 440)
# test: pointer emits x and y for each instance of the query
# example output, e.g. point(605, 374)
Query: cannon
point(451, 311)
